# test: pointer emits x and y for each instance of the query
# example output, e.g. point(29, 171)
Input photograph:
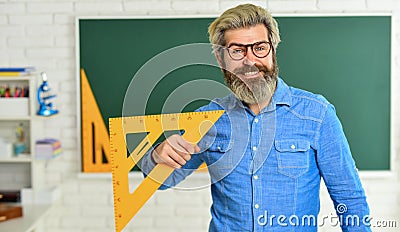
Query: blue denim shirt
point(266, 169)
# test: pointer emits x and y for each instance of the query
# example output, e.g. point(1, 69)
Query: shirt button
point(256, 120)
point(254, 148)
point(256, 206)
point(255, 177)
point(293, 146)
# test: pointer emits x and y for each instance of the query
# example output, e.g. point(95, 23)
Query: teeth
point(250, 73)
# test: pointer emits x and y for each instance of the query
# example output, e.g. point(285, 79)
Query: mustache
point(250, 68)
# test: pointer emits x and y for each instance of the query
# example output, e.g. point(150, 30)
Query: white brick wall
point(196, 6)
point(98, 7)
point(292, 6)
point(42, 33)
point(342, 5)
point(145, 6)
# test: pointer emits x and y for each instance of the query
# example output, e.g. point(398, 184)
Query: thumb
point(196, 148)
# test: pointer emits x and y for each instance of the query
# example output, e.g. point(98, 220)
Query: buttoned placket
point(255, 179)
point(263, 128)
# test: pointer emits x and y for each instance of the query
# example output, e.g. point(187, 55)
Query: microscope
point(44, 97)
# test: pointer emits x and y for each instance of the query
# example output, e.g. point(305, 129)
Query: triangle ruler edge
point(126, 204)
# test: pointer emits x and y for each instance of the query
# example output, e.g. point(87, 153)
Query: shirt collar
point(282, 95)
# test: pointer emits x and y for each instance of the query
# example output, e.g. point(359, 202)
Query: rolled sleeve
point(340, 174)
point(147, 162)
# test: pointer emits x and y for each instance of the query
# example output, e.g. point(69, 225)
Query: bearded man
point(268, 151)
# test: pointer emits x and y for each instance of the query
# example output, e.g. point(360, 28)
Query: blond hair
point(243, 16)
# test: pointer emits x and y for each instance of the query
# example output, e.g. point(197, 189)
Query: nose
point(250, 58)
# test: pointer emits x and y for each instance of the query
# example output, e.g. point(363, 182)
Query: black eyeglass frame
point(252, 49)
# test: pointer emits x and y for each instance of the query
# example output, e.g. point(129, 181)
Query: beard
point(255, 90)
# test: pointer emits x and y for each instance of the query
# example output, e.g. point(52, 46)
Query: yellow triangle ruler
point(126, 204)
point(95, 139)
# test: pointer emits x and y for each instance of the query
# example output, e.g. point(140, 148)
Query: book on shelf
point(16, 71)
point(47, 148)
point(10, 195)
point(10, 211)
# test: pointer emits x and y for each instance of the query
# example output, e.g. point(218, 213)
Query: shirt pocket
point(293, 157)
point(218, 158)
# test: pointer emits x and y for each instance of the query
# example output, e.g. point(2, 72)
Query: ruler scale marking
point(126, 204)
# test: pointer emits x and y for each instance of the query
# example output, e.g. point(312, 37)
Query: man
point(267, 153)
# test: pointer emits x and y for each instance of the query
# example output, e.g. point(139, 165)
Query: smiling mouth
point(248, 71)
point(247, 74)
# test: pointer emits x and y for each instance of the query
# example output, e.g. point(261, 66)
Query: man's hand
point(174, 151)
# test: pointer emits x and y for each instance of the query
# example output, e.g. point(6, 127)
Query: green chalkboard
point(346, 59)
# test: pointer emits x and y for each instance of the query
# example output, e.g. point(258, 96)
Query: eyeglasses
point(260, 49)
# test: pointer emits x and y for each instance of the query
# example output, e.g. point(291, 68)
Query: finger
point(188, 147)
point(178, 158)
point(175, 142)
point(177, 147)
point(171, 162)
point(187, 157)
point(196, 148)
point(175, 155)
point(183, 153)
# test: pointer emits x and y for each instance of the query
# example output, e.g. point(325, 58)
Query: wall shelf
point(23, 172)
point(16, 118)
point(16, 160)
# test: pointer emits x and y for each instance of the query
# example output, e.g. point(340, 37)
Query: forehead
point(246, 35)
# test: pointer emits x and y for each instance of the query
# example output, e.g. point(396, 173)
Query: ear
point(220, 59)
